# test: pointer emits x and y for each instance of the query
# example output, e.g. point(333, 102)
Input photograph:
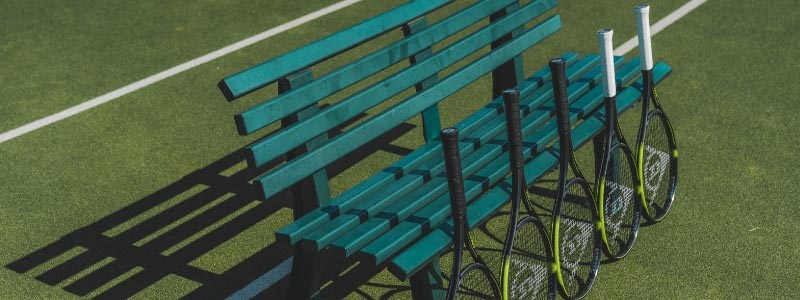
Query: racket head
point(576, 240)
point(464, 285)
point(619, 202)
point(657, 165)
point(528, 272)
point(475, 282)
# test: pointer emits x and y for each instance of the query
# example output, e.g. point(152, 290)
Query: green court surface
point(144, 197)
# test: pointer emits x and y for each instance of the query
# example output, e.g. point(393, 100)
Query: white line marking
point(660, 25)
point(263, 282)
point(74, 110)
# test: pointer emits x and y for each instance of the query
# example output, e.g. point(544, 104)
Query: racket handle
point(557, 70)
point(455, 180)
point(514, 128)
point(605, 37)
point(642, 12)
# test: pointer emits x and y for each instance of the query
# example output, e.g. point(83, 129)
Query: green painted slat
point(266, 113)
point(378, 247)
point(275, 145)
point(419, 254)
point(290, 172)
point(342, 224)
point(252, 78)
point(419, 198)
point(414, 258)
point(623, 81)
point(479, 126)
point(590, 59)
point(384, 246)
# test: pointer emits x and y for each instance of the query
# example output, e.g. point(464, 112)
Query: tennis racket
point(526, 253)
point(576, 240)
point(617, 180)
point(474, 280)
point(657, 152)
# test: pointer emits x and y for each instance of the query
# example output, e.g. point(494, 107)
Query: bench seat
point(584, 98)
point(482, 150)
point(391, 210)
point(437, 240)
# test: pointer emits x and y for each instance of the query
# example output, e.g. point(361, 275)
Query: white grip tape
point(643, 26)
point(604, 37)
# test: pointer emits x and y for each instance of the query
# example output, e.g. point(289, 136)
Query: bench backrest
point(302, 138)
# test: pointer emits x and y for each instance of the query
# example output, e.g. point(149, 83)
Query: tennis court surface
point(147, 196)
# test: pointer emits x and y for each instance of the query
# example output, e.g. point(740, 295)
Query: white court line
point(74, 110)
point(283, 269)
point(660, 25)
point(263, 282)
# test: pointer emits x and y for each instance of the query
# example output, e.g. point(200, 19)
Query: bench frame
point(312, 192)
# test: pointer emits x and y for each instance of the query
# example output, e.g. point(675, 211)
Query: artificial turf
point(130, 192)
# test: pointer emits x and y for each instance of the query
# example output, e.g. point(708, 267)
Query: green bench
point(398, 216)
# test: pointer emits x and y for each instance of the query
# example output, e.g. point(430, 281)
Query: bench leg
point(306, 277)
point(427, 283)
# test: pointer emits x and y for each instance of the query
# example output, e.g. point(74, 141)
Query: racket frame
point(567, 160)
point(458, 207)
point(519, 193)
point(649, 94)
point(612, 139)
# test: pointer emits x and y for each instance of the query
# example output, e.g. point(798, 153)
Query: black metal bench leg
point(427, 283)
point(306, 278)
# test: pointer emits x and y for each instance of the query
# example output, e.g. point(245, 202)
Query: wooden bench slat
point(275, 145)
point(266, 113)
point(413, 161)
point(402, 208)
point(420, 253)
point(291, 172)
point(265, 73)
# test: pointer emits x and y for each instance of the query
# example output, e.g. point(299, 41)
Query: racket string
point(529, 264)
point(656, 165)
point(577, 240)
point(475, 284)
point(619, 201)
point(475, 279)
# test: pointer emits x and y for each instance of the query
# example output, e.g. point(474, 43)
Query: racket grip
point(642, 13)
point(557, 69)
point(514, 128)
point(605, 37)
point(455, 180)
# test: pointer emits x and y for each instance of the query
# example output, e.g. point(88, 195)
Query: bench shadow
point(163, 233)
